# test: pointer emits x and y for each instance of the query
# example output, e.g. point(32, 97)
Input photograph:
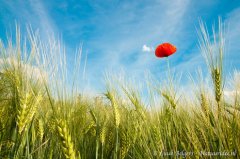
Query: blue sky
point(114, 32)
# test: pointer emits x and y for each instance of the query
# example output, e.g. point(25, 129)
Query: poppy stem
point(169, 73)
point(168, 63)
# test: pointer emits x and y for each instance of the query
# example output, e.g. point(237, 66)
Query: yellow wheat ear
point(66, 141)
point(40, 129)
point(204, 104)
point(213, 51)
point(124, 144)
point(111, 97)
point(218, 87)
point(170, 100)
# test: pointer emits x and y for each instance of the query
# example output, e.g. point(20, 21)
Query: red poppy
point(165, 50)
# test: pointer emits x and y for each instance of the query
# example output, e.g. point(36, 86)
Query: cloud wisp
point(146, 48)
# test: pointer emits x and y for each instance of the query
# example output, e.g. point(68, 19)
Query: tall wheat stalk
point(116, 113)
point(213, 52)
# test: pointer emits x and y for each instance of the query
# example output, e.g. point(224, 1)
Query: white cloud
point(34, 13)
point(32, 72)
point(232, 37)
point(230, 93)
point(146, 48)
point(46, 23)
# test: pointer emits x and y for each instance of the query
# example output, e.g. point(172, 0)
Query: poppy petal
point(165, 50)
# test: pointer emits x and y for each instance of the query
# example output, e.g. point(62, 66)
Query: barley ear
point(102, 135)
point(218, 87)
point(40, 128)
point(66, 142)
point(124, 144)
point(204, 104)
point(111, 97)
point(22, 112)
point(170, 100)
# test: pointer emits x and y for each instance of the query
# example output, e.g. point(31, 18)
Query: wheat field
point(41, 117)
